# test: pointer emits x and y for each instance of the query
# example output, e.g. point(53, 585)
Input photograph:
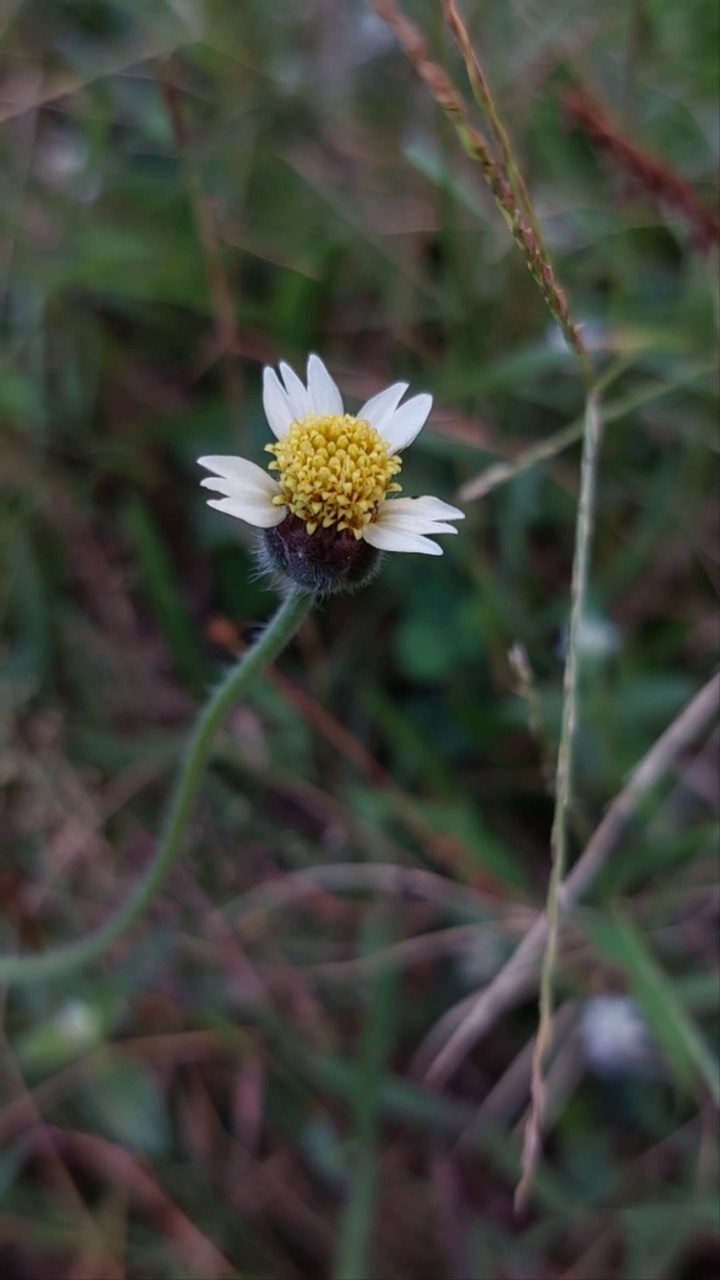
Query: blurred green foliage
point(191, 190)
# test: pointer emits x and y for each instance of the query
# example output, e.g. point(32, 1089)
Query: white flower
point(335, 471)
point(78, 1024)
point(615, 1035)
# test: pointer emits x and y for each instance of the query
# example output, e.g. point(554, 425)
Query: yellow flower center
point(333, 471)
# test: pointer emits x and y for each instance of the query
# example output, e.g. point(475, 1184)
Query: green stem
point(550, 446)
point(58, 961)
point(563, 790)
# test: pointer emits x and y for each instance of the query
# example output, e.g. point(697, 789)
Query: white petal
point(431, 508)
point(413, 518)
point(276, 404)
point(324, 395)
point(240, 471)
point(410, 515)
point(242, 489)
point(415, 524)
point(401, 427)
point(391, 540)
point(261, 514)
point(382, 405)
point(297, 395)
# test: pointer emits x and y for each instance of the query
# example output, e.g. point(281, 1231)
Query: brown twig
point(467, 1022)
point(452, 103)
point(646, 173)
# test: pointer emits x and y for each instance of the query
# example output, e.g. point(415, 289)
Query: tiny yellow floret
point(333, 471)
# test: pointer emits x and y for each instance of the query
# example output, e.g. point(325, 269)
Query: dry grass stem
point(467, 1022)
point(501, 472)
point(549, 447)
point(351, 877)
point(563, 786)
point(420, 949)
point(507, 1097)
point(483, 95)
point(497, 179)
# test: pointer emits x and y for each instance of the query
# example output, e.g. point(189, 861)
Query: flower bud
point(323, 562)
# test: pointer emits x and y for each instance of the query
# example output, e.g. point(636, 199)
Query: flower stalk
point(57, 962)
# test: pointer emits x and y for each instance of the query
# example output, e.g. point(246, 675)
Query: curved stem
point(58, 961)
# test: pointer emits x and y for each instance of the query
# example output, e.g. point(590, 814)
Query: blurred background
point(189, 191)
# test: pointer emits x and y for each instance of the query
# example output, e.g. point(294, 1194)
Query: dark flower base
point(322, 562)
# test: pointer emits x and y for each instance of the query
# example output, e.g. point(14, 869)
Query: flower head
point(331, 505)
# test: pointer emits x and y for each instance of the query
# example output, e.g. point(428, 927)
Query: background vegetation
point(193, 190)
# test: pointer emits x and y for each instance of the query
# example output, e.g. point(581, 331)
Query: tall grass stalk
point(513, 200)
point(512, 205)
point(465, 1024)
point(483, 96)
point(563, 786)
